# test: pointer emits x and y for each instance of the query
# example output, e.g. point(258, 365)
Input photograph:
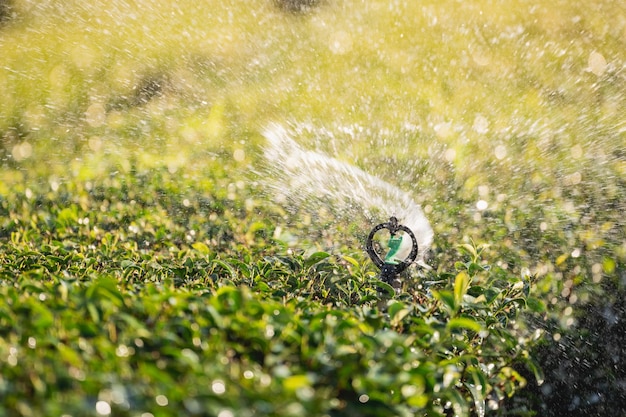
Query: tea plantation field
point(146, 270)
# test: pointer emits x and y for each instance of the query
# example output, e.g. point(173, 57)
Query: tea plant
point(119, 312)
point(144, 270)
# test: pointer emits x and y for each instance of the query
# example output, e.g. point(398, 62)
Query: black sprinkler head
point(391, 267)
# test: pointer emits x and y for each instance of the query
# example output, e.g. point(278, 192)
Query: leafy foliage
point(141, 267)
point(119, 310)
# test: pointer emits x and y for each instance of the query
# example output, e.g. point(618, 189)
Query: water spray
point(311, 180)
point(393, 264)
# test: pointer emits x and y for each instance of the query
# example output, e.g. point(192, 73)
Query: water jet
point(311, 180)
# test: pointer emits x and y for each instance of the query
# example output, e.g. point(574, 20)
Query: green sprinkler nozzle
point(394, 246)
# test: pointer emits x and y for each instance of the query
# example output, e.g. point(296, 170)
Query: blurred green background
point(519, 105)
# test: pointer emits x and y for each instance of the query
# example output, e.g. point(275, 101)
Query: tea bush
point(141, 264)
point(109, 308)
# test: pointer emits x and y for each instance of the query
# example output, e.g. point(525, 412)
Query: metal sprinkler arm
point(390, 267)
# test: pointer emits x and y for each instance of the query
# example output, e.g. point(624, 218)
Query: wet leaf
point(461, 284)
point(536, 305)
point(201, 247)
point(448, 298)
point(315, 258)
point(464, 323)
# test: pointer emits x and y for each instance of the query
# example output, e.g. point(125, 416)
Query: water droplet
point(500, 152)
point(218, 387)
point(103, 408)
point(481, 124)
point(340, 42)
point(12, 358)
point(22, 151)
point(95, 116)
point(265, 380)
point(597, 63)
point(449, 155)
point(122, 351)
point(239, 155)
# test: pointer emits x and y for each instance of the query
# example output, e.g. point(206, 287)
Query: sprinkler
point(391, 266)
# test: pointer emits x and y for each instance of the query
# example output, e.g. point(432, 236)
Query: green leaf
point(135, 326)
point(460, 266)
point(399, 316)
point(105, 289)
point(461, 284)
point(68, 216)
point(447, 298)
point(262, 286)
point(42, 317)
point(368, 298)
point(295, 382)
point(464, 323)
point(315, 258)
point(231, 271)
point(535, 368)
point(202, 248)
point(394, 307)
point(70, 356)
point(608, 265)
point(535, 305)
point(476, 383)
point(386, 288)
point(216, 316)
point(350, 260)
point(470, 250)
point(229, 299)
point(126, 263)
point(491, 294)
point(93, 312)
point(398, 311)
point(475, 291)
point(473, 268)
